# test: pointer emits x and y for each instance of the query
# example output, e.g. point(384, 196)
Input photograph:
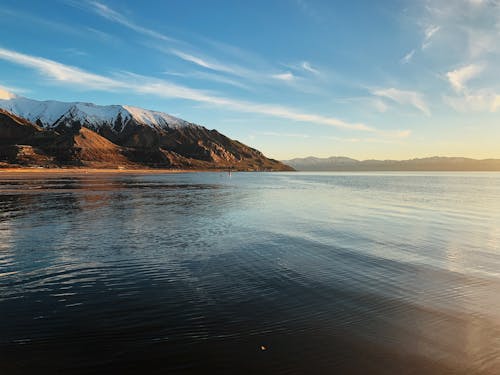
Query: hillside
point(74, 133)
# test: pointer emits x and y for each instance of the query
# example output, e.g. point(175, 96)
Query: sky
point(388, 79)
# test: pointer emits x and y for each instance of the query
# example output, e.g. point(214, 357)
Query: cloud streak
point(209, 76)
point(308, 68)
point(428, 34)
point(412, 98)
point(61, 72)
point(459, 77)
point(407, 58)
point(114, 16)
point(236, 70)
point(146, 85)
point(478, 101)
point(287, 76)
point(207, 63)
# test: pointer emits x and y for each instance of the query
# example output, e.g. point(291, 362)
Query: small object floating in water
point(262, 347)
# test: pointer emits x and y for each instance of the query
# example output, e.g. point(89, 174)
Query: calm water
point(193, 273)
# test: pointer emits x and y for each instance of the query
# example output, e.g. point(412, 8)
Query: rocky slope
point(59, 133)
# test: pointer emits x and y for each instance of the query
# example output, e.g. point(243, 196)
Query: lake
point(265, 273)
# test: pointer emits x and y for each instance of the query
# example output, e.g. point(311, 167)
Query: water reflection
point(194, 273)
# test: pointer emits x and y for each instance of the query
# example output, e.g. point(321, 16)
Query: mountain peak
point(51, 114)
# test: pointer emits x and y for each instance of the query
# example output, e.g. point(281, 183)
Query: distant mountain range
point(53, 133)
point(436, 163)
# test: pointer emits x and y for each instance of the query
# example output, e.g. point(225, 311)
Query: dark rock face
point(14, 130)
point(130, 144)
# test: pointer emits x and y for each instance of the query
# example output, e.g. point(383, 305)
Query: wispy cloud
point(302, 68)
point(113, 15)
point(375, 103)
point(467, 99)
point(206, 63)
point(117, 17)
point(75, 51)
point(307, 67)
point(478, 101)
point(103, 36)
point(189, 53)
point(287, 76)
point(407, 58)
point(146, 85)
point(429, 32)
point(412, 98)
point(209, 76)
point(459, 77)
point(61, 72)
point(471, 28)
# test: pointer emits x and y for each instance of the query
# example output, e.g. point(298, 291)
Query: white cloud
point(5, 94)
point(407, 58)
point(61, 72)
point(209, 64)
point(307, 67)
point(287, 76)
point(412, 98)
point(429, 32)
point(196, 60)
point(478, 101)
point(459, 77)
point(146, 85)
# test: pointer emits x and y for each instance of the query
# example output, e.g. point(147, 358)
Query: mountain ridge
point(136, 136)
point(53, 113)
point(434, 163)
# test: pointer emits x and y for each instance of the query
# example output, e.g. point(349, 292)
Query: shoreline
point(78, 171)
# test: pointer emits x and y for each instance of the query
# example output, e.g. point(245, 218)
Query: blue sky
point(293, 78)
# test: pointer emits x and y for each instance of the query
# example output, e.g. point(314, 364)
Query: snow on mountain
point(155, 118)
point(53, 113)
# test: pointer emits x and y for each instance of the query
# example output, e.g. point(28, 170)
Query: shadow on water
point(271, 274)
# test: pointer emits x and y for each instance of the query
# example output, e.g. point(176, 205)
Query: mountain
point(119, 135)
point(22, 142)
point(435, 163)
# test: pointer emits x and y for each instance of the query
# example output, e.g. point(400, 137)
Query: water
point(198, 273)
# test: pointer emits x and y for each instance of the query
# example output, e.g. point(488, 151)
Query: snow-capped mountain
point(58, 133)
point(51, 114)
